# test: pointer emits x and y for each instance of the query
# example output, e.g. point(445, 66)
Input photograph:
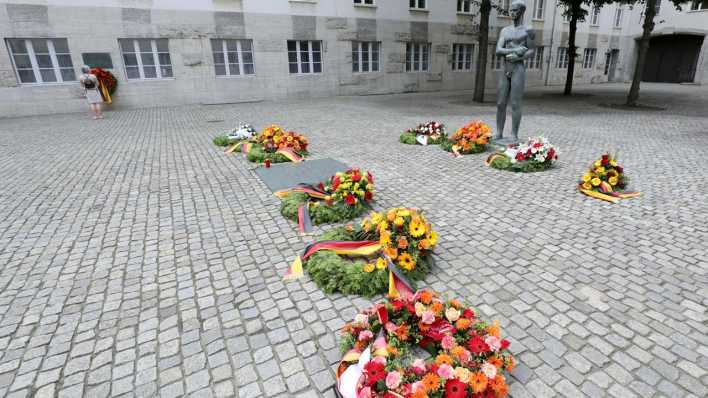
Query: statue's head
point(85, 69)
point(517, 7)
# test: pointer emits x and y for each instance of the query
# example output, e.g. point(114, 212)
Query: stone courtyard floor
point(136, 259)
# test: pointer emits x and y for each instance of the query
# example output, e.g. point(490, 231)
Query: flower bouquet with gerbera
point(277, 146)
point(422, 346)
point(606, 180)
point(402, 236)
point(342, 197)
point(106, 79)
point(471, 138)
point(426, 133)
point(536, 154)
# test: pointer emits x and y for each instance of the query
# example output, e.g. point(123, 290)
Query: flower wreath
point(395, 245)
point(385, 347)
point(106, 79)
point(536, 154)
point(606, 180)
point(432, 133)
point(274, 145)
point(471, 138)
point(244, 131)
point(344, 196)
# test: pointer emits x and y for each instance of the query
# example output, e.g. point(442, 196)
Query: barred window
point(417, 57)
point(562, 61)
point(305, 56)
point(41, 60)
point(232, 57)
point(365, 56)
point(146, 58)
point(417, 4)
point(462, 55)
point(589, 57)
point(618, 17)
point(595, 16)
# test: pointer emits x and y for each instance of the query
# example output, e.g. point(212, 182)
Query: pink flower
point(493, 342)
point(448, 342)
point(364, 393)
point(465, 356)
point(381, 360)
point(418, 366)
point(489, 370)
point(428, 317)
point(393, 380)
point(391, 327)
point(446, 371)
point(416, 386)
point(365, 335)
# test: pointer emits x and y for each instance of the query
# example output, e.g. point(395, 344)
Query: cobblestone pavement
point(136, 259)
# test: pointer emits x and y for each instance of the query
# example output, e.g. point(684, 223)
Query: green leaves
point(320, 214)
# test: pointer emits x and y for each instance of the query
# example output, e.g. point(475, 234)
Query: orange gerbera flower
point(391, 252)
point(431, 382)
point(502, 391)
point(463, 323)
point(424, 244)
point(478, 382)
point(455, 303)
point(494, 330)
point(496, 361)
point(443, 359)
point(437, 308)
point(458, 351)
point(497, 383)
point(402, 332)
point(426, 297)
point(420, 393)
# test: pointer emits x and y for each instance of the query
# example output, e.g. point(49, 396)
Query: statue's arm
point(501, 50)
point(530, 44)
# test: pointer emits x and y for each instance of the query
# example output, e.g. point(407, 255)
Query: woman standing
point(93, 95)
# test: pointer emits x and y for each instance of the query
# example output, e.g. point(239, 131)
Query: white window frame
point(463, 53)
point(563, 58)
point(359, 61)
point(311, 58)
point(589, 55)
point(155, 58)
point(415, 50)
point(239, 57)
point(36, 70)
point(617, 23)
point(595, 16)
point(538, 10)
point(505, 4)
point(365, 3)
point(536, 62)
point(462, 4)
point(418, 5)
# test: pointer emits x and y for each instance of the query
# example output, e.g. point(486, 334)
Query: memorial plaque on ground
point(287, 175)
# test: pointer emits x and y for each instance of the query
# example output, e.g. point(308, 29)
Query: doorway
point(672, 58)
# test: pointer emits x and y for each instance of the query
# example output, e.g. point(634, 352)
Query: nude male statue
point(516, 44)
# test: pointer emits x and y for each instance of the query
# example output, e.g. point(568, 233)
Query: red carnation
point(374, 372)
point(397, 305)
point(368, 196)
point(551, 153)
point(356, 177)
point(350, 200)
point(411, 308)
point(335, 183)
point(520, 156)
point(505, 344)
point(605, 160)
point(477, 345)
point(468, 313)
point(369, 177)
point(455, 389)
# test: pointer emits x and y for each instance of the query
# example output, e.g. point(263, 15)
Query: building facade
point(170, 52)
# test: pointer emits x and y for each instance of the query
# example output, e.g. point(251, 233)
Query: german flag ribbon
point(349, 248)
point(232, 148)
point(303, 218)
point(612, 197)
point(491, 158)
point(290, 154)
point(304, 188)
point(246, 147)
point(398, 285)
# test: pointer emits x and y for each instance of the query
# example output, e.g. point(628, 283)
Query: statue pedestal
point(503, 143)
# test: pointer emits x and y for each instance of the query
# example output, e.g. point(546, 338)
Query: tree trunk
point(648, 26)
point(571, 48)
point(481, 73)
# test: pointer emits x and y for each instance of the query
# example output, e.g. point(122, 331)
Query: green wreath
point(223, 140)
point(447, 146)
point(334, 273)
point(258, 155)
point(320, 213)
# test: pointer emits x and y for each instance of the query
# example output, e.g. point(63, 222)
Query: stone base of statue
point(503, 142)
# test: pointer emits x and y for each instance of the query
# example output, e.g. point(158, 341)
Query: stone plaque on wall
point(98, 60)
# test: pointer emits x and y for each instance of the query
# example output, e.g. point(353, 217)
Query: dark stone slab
point(287, 175)
point(366, 29)
point(230, 24)
point(419, 32)
point(136, 15)
point(28, 13)
point(304, 27)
